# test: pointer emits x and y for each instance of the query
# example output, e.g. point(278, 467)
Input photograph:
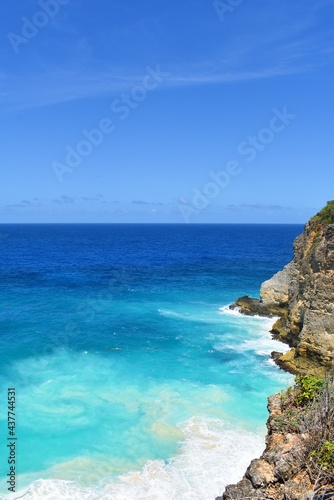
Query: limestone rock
point(260, 473)
point(276, 289)
point(302, 296)
point(254, 307)
point(280, 472)
point(310, 320)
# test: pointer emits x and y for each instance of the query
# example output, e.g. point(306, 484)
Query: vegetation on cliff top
point(308, 409)
point(298, 462)
point(318, 223)
point(325, 216)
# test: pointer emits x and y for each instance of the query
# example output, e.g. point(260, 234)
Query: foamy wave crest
point(212, 456)
point(174, 314)
point(259, 341)
point(195, 316)
point(54, 490)
point(230, 312)
point(264, 345)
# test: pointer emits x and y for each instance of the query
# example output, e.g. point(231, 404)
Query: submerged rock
point(255, 307)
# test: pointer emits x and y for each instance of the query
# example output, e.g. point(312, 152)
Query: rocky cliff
point(302, 295)
point(298, 462)
point(276, 474)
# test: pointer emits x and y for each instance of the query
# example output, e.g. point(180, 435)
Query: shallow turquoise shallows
point(134, 380)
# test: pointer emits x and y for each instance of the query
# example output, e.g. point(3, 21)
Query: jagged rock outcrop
point(254, 307)
point(280, 473)
point(276, 290)
point(308, 284)
point(298, 461)
point(302, 295)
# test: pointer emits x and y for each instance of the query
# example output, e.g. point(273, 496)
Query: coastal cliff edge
point(302, 297)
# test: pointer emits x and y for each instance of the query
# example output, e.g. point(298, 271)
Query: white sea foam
point(212, 456)
point(174, 314)
point(259, 340)
point(198, 317)
point(263, 345)
point(230, 312)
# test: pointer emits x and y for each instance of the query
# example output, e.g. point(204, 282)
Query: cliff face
point(279, 473)
point(306, 288)
point(298, 462)
point(302, 295)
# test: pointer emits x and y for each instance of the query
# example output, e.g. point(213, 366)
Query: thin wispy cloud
point(61, 86)
point(24, 204)
point(258, 206)
point(48, 90)
point(280, 50)
point(141, 202)
point(221, 80)
point(65, 199)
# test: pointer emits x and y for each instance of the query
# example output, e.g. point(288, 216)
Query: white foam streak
point(197, 317)
point(230, 312)
point(212, 456)
point(260, 340)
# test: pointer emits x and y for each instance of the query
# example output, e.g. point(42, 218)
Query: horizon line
point(160, 223)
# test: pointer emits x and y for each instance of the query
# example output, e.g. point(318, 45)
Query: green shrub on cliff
point(325, 456)
point(307, 409)
point(297, 401)
point(325, 216)
point(307, 388)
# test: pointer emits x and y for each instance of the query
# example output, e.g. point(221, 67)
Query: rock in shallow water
point(255, 307)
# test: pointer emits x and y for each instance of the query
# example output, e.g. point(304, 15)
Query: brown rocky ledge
point(302, 297)
point(283, 472)
point(255, 307)
point(278, 472)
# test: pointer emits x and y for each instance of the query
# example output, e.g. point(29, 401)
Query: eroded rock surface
point(277, 289)
point(302, 295)
point(309, 323)
point(280, 472)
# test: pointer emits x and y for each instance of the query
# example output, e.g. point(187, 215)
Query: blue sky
point(166, 111)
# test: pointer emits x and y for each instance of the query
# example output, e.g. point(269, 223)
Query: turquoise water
point(133, 378)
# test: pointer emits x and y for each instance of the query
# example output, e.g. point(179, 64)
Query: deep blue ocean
point(133, 378)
